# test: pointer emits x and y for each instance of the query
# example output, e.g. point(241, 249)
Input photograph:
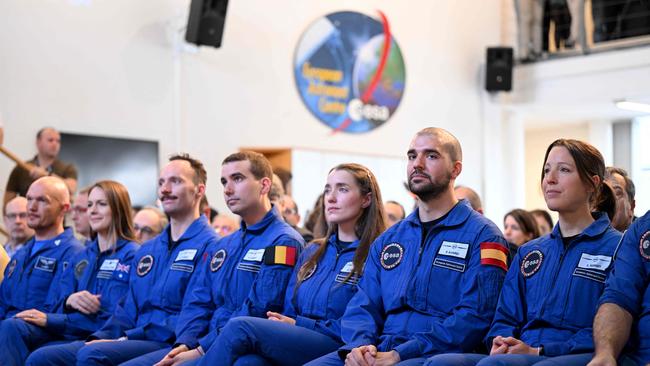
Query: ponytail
point(606, 200)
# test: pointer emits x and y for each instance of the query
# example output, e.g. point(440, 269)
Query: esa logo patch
point(644, 245)
point(144, 265)
point(391, 255)
point(217, 260)
point(531, 263)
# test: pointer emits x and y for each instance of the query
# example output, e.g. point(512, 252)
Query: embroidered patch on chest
point(391, 256)
point(532, 263)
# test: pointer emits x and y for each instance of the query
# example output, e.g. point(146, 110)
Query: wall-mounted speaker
point(498, 75)
point(206, 21)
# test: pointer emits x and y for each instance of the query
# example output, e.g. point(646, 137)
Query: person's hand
point(361, 356)
point(84, 302)
point(518, 347)
point(100, 341)
point(603, 360)
point(277, 317)
point(186, 356)
point(498, 346)
point(386, 358)
point(168, 360)
point(33, 316)
point(36, 172)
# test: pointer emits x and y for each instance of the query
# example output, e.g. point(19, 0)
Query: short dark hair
point(629, 184)
point(260, 165)
point(200, 175)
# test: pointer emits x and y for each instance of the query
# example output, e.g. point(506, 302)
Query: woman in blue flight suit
point(550, 295)
point(92, 286)
point(323, 282)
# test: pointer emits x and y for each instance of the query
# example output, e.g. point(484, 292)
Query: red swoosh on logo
point(380, 70)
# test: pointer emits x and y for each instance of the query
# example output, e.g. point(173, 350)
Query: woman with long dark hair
point(324, 280)
point(519, 227)
point(550, 294)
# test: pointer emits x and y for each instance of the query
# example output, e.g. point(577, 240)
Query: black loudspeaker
point(498, 75)
point(206, 21)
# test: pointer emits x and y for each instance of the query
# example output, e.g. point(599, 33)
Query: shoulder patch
point(217, 260)
point(280, 254)
point(391, 256)
point(532, 263)
point(494, 254)
point(80, 268)
point(644, 245)
point(144, 265)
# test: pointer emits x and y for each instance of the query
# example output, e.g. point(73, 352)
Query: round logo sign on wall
point(349, 71)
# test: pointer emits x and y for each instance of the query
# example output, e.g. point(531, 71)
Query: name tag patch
point(45, 264)
point(186, 255)
point(254, 255)
point(451, 249)
point(182, 267)
point(109, 265)
point(599, 262)
point(454, 266)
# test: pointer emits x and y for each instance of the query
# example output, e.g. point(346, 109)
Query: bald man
point(45, 163)
point(148, 223)
point(466, 193)
point(33, 274)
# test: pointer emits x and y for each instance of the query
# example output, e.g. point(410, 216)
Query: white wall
point(109, 68)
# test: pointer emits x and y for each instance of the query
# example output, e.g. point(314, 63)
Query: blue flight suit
point(106, 274)
point(32, 280)
point(427, 295)
point(160, 273)
point(550, 296)
point(627, 286)
point(239, 279)
point(317, 305)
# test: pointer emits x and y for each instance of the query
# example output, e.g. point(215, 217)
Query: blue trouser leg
point(510, 360)
point(412, 362)
point(148, 359)
point(580, 359)
point(277, 342)
point(252, 360)
point(330, 359)
point(60, 354)
point(18, 338)
point(115, 352)
point(455, 359)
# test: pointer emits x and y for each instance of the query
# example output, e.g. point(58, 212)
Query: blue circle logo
point(350, 72)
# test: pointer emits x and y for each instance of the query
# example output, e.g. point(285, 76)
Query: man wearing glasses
point(16, 223)
point(148, 223)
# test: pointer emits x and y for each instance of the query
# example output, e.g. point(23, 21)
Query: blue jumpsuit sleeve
point(67, 287)
point(510, 313)
point(626, 283)
point(289, 309)
point(329, 327)
point(470, 320)
point(364, 316)
point(198, 306)
point(60, 287)
point(581, 342)
point(266, 294)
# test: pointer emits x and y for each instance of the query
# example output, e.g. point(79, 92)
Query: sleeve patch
point(280, 254)
point(494, 254)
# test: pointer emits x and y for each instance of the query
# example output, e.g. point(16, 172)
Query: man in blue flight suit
point(431, 282)
point(249, 269)
point(33, 277)
point(625, 303)
point(161, 270)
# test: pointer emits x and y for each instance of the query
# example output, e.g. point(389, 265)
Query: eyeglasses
point(79, 210)
point(20, 215)
point(144, 229)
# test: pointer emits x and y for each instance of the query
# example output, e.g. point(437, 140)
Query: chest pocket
point(587, 284)
point(452, 256)
point(40, 279)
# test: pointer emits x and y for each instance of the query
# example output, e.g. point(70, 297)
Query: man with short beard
point(431, 282)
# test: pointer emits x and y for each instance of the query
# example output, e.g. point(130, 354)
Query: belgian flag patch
point(494, 254)
point(280, 254)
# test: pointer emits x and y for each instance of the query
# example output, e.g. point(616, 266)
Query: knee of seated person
point(447, 359)
point(493, 361)
point(89, 355)
point(11, 326)
point(37, 358)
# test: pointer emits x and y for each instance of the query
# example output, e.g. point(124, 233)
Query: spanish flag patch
point(280, 254)
point(494, 254)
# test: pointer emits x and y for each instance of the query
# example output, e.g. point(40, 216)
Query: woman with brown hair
point(519, 227)
point(324, 280)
